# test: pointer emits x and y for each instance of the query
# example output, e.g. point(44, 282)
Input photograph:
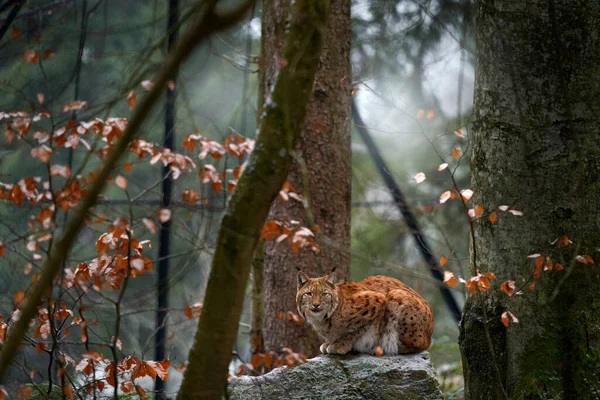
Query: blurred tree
point(536, 144)
point(321, 173)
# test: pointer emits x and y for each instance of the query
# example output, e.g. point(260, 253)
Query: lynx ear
point(302, 278)
point(330, 278)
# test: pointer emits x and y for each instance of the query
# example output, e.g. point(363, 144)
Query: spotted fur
point(378, 311)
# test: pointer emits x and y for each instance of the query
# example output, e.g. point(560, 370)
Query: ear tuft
point(302, 278)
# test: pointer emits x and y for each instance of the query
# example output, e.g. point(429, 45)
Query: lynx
point(377, 313)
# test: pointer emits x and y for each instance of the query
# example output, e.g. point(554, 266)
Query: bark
point(536, 142)
point(257, 301)
point(207, 23)
point(268, 166)
point(324, 148)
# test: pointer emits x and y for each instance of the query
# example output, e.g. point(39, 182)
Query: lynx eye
point(308, 294)
point(327, 294)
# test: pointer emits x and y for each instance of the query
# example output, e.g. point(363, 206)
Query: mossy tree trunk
point(210, 355)
point(536, 145)
point(324, 147)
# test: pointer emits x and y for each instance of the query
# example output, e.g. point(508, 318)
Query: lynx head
point(316, 297)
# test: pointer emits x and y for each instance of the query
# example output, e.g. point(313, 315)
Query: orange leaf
point(548, 266)
point(127, 166)
point(30, 56)
point(268, 360)
point(585, 259)
point(270, 230)
point(478, 209)
point(420, 113)
point(188, 311)
point(354, 91)
point(564, 240)
point(378, 351)
point(455, 152)
point(445, 196)
point(508, 287)
point(493, 217)
point(131, 100)
point(466, 194)
point(47, 53)
point(504, 318)
point(39, 347)
point(459, 132)
point(449, 278)
point(149, 224)
point(19, 296)
point(443, 260)
point(558, 267)
point(256, 359)
point(539, 260)
point(430, 114)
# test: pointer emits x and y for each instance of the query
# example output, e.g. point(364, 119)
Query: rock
point(409, 377)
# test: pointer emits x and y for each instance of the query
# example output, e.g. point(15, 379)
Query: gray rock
point(407, 377)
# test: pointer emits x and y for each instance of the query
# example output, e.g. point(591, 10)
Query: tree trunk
point(268, 166)
point(536, 145)
point(325, 149)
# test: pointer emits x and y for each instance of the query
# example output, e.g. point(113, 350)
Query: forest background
point(412, 74)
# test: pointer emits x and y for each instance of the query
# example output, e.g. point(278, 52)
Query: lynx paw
point(323, 348)
point(336, 348)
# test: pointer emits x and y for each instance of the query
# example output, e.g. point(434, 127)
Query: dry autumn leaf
point(430, 114)
point(449, 278)
point(164, 215)
point(420, 177)
point(30, 56)
point(121, 182)
point(443, 260)
point(445, 196)
point(459, 132)
point(131, 100)
point(466, 194)
point(478, 209)
point(585, 259)
point(442, 166)
point(456, 152)
point(508, 287)
point(47, 53)
point(148, 85)
point(493, 217)
point(420, 113)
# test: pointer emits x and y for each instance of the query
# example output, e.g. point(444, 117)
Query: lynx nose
point(316, 306)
